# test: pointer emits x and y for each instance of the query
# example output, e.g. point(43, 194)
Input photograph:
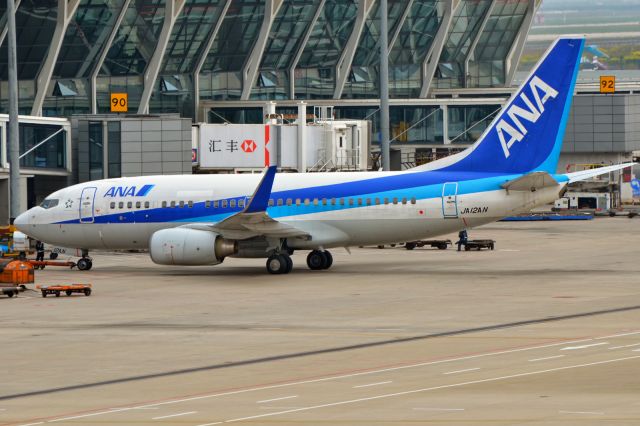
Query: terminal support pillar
point(3, 23)
point(435, 50)
point(66, 12)
point(14, 144)
point(172, 11)
point(302, 137)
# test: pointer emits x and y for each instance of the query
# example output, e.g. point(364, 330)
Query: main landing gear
point(84, 263)
point(317, 260)
point(280, 263)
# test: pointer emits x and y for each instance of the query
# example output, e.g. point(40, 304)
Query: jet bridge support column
point(302, 137)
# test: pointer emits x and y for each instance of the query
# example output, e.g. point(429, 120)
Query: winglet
point(260, 198)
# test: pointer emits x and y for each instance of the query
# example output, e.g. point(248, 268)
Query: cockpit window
point(49, 203)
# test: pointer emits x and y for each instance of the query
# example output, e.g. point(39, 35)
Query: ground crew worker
point(463, 237)
point(39, 251)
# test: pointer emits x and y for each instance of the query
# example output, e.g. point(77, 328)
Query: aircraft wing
point(254, 221)
point(586, 174)
point(530, 182)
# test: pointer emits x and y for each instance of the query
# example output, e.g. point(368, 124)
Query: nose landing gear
point(85, 263)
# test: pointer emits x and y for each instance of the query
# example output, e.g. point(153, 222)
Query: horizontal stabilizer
point(531, 182)
point(587, 174)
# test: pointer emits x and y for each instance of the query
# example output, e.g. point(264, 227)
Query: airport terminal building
point(452, 65)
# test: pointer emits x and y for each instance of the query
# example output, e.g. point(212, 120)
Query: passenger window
point(164, 204)
point(279, 201)
point(395, 200)
point(342, 201)
point(181, 204)
point(306, 201)
point(298, 201)
point(413, 200)
point(386, 200)
point(112, 205)
point(241, 202)
point(224, 204)
point(333, 201)
point(368, 201)
point(190, 204)
point(359, 201)
point(232, 203)
point(324, 201)
point(207, 204)
point(270, 202)
point(173, 204)
point(404, 201)
point(138, 204)
point(377, 201)
point(315, 201)
point(146, 204)
point(120, 205)
point(129, 204)
point(350, 201)
point(216, 204)
point(289, 201)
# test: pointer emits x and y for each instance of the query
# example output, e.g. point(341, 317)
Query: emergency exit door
point(87, 200)
point(450, 200)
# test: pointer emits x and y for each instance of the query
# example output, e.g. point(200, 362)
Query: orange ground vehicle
point(14, 275)
point(68, 289)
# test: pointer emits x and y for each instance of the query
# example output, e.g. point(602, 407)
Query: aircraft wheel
point(316, 260)
point(410, 246)
point(276, 264)
point(328, 259)
point(53, 256)
point(84, 264)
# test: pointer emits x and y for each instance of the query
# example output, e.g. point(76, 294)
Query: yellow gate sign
point(119, 102)
point(607, 84)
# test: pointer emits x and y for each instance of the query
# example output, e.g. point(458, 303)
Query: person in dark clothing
point(39, 251)
point(463, 237)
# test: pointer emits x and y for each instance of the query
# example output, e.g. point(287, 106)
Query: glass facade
point(315, 74)
point(96, 151)
point(364, 77)
point(285, 39)
point(221, 75)
point(49, 155)
point(128, 55)
point(173, 91)
point(306, 42)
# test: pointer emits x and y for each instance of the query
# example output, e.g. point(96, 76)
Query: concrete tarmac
point(543, 330)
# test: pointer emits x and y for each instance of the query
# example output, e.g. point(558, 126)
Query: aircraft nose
point(22, 222)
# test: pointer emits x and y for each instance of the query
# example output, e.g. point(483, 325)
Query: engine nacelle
point(189, 247)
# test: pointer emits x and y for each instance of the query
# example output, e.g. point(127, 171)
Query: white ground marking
point(271, 407)
point(438, 409)
point(277, 399)
point(32, 424)
point(324, 379)
point(390, 329)
point(454, 385)
point(372, 384)
point(573, 348)
point(624, 346)
point(617, 335)
point(581, 412)
point(211, 424)
point(462, 371)
point(113, 410)
point(636, 350)
point(174, 415)
point(545, 358)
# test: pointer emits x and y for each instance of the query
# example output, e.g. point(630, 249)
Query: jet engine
point(189, 247)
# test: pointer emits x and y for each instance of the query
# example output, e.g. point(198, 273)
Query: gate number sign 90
point(119, 102)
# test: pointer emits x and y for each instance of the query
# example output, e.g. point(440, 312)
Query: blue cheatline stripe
point(144, 190)
point(200, 213)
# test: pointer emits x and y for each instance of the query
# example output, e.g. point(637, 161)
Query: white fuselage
point(340, 209)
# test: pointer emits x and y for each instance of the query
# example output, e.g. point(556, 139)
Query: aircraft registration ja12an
point(203, 219)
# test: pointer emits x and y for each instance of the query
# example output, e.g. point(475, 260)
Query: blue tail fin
point(527, 134)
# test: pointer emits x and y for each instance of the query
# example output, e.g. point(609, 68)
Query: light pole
point(14, 144)
point(384, 87)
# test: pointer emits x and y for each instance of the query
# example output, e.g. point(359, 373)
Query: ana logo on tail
point(516, 131)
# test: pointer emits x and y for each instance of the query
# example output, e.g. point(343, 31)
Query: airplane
point(203, 219)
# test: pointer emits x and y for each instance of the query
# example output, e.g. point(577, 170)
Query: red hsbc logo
point(249, 145)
